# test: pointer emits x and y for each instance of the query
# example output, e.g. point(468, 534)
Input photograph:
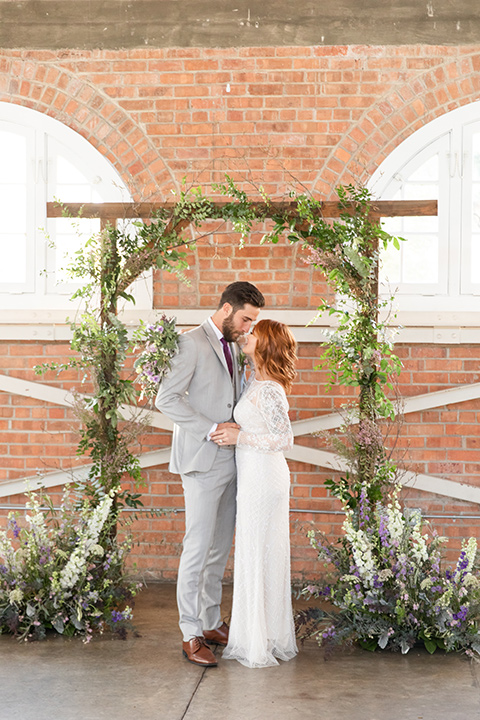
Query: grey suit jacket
point(196, 393)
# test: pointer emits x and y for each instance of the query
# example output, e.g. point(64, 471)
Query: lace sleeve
point(273, 405)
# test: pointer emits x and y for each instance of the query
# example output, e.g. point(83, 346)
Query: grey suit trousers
point(209, 526)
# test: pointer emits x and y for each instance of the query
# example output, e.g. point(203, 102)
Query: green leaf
point(30, 610)
point(369, 644)
point(430, 645)
point(58, 624)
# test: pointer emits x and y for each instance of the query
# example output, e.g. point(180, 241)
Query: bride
point(262, 628)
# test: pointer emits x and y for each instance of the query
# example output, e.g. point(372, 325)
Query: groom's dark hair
point(240, 293)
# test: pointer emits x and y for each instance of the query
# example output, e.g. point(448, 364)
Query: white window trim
point(101, 174)
point(442, 309)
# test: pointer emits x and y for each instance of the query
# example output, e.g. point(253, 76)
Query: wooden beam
point(114, 211)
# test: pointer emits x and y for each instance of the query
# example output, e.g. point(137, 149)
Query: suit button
point(229, 405)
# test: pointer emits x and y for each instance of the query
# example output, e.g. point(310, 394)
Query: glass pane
point(72, 185)
point(417, 261)
point(390, 263)
point(427, 172)
point(13, 249)
point(13, 208)
point(13, 152)
point(476, 156)
point(67, 173)
point(390, 268)
point(475, 264)
point(420, 224)
point(393, 225)
point(420, 191)
point(472, 270)
point(420, 262)
point(476, 207)
point(73, 193)
point(69, 237)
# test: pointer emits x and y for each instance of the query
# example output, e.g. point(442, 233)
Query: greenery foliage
point(388, 587)
point(63, 570)
point(359, 351)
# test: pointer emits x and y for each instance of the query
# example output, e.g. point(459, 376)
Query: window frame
point(46, 136)
point(453, 208)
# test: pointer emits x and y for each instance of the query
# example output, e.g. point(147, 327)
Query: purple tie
point(228, 355)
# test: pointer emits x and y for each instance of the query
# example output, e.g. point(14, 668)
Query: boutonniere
point(241, 361)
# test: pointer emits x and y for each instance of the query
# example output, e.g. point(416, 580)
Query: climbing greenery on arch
point(345, 250)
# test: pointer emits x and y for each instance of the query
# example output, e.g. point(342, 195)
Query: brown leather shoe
point(197, 652)
point(218, 636)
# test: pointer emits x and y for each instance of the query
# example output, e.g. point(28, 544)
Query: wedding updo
point(275, 352)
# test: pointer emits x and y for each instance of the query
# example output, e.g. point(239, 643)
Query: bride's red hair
point(275, 352)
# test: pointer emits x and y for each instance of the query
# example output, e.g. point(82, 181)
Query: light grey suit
point(196, 393)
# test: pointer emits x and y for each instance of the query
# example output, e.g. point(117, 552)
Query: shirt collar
point(217, 332)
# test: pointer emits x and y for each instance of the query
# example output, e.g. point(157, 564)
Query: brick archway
point(82, 107)
point(395, 116)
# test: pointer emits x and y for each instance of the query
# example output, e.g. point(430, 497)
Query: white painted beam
point(61, 477)
point(427, 483)
point(311, 456)
point(57, 396)
point(299, 453)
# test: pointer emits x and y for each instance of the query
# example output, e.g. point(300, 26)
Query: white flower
point(77, 562)
point(470, 580)
point(395, 521)
point(127, 613)
point(15, 597)
point(349, 578)
point(385, 574)
point(361, 550)
point(469, 551)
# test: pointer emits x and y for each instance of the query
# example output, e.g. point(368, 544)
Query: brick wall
point(321, 114)
point(302, 116)
point(443, 442)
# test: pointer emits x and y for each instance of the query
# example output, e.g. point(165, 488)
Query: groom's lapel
point(237, 374)
point(216, 347)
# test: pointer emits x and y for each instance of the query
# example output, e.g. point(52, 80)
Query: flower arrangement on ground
point(389, 588)
point(64, 570)
point(160, 342)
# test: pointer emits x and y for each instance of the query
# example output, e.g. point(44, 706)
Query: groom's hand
point(225, 425)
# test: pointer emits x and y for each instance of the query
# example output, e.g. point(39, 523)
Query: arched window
point(438, 268)
point(43, 160)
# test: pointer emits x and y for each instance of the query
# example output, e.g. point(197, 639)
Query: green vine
point(359, 352)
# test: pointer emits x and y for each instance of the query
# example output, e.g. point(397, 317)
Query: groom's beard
point(230, 333)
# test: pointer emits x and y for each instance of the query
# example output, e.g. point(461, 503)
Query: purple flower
point(363, 508)
point(462, 561)
point(383, 530)
point(329, 633)
point(461, 616)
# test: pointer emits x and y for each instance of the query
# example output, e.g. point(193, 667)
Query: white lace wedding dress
point(262, 626)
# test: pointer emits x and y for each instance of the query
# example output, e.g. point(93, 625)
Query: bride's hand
point(226, 434)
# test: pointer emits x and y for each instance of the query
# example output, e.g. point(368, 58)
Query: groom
point(199, 395)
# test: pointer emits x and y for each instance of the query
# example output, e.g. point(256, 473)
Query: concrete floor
point(147, 678)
